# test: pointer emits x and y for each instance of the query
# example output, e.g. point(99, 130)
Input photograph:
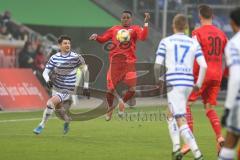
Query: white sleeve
point(46, 74)
point(203, 65)
point(233, 62)
point(48, 68)
point(86, 76)
point(161, 53)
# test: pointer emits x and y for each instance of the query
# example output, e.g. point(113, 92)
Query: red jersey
point(212, 41)
point(126, 50)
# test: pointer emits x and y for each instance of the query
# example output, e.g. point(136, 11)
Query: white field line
point(21, 120)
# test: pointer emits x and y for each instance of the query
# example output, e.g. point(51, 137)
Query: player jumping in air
point(177, 53)
point(212, 41)
point(231, 116)
point(60, 75)
point(122, 59)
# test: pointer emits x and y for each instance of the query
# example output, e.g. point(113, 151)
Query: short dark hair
point(235, 16)
point(63, 37)
point(127, 11)
point(180, 22)
point(205, 11)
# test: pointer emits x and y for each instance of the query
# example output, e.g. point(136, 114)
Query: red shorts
point(208, 92)
point(119, 72)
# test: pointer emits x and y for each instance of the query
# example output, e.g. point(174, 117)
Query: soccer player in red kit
point(122, 58)
point(212, 41)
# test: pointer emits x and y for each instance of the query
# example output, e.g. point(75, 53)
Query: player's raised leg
point(51, 104)
point(130, 80)
point(114, 76)
point(110, 109)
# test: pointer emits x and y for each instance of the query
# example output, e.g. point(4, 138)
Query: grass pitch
point(137, 138)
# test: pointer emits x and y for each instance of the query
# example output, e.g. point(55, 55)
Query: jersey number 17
point(179, 57)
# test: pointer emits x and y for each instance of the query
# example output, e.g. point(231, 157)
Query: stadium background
point(43, 21)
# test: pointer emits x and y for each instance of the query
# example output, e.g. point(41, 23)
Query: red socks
point(189, 117)
point(110, 98)
point(128, 96)
point(214, 120)
point(212, 116)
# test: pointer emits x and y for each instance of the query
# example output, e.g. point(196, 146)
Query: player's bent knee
point(181, 120)
point(50, 104)
point(67, 104)
point(169, 114)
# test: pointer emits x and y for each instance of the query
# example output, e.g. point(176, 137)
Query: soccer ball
point(123, 35)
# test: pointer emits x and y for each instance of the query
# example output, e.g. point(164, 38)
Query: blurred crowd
point(33, 54)
point(10, 30)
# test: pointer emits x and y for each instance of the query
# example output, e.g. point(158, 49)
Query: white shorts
point(177, 100)
point(63, 95)
point(233, 120)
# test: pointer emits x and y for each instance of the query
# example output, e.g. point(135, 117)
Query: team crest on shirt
point(130, 30)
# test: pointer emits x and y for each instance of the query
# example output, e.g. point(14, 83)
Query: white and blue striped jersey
point(232, 52)
point(62, 69)
point(177, 53)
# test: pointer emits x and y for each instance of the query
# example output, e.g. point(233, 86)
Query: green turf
point(98, 140)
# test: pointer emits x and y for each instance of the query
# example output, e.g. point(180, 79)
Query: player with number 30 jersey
point(213, 42)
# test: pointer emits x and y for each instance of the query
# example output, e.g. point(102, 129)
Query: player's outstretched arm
point(106, 36)
point(142, 33)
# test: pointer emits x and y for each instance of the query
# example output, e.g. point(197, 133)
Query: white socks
point(46, 114)
point(226, 154)
point(189, 139)
point(174, 133)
